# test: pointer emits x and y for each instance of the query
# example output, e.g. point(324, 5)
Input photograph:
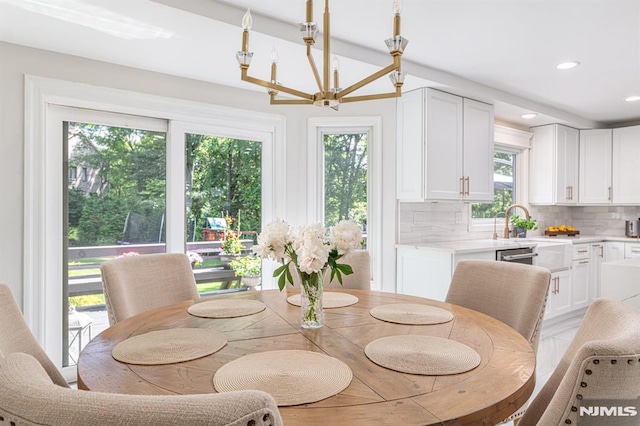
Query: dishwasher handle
point(509, 257)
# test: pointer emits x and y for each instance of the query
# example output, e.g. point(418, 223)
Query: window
point(504, 186)
point(345, 178)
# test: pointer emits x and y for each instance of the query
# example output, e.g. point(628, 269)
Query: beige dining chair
point(600, 368)
point(15, 336)
point(513, 293)
point(360, 262)
point(136, 284)
point(29, 397)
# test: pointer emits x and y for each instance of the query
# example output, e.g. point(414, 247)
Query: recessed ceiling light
point(567, 65)
point(529, 115)
point(633, 98)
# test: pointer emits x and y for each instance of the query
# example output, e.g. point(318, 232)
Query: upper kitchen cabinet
point(553, 165)
point(626, 165)
point(445, 147)
point(595, 167)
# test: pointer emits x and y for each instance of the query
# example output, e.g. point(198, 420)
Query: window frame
point(319, 126)
point(518, 142)
point(44, 180)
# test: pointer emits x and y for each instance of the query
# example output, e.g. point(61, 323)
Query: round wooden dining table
point(487, 394)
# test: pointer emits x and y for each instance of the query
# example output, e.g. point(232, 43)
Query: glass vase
point(311, 299)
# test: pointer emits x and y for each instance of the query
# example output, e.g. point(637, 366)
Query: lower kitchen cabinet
point(560, 294)
point(581, 283)
point(595, 269)
point(427, 273)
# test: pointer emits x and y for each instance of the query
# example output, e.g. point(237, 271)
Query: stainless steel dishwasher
point(523, 255)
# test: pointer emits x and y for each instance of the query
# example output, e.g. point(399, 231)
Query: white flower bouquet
point(310, 249)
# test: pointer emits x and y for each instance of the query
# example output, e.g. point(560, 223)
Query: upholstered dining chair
point(360, 262)
point(601, 367)
point(513, 293)
point(15, 336)
point(136, 284)
point(29, 397)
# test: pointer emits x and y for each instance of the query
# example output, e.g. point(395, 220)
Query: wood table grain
point(489, 393)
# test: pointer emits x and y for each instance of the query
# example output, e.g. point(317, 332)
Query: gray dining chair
point(15, 336)
point(513, 293)
point(601, 367)
point(136, 284)
point(29, 397)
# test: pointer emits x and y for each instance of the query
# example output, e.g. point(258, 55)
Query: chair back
point(136, 284)
point(601, 367)
point(513, 293)
point(28, 397)
point(15, 336)
point(360, 262)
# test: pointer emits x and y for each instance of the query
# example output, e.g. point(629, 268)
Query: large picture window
point(504, 186)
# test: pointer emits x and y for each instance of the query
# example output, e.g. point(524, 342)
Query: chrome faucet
point(506, 217)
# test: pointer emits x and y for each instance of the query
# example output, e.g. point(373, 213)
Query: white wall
point(16, 61)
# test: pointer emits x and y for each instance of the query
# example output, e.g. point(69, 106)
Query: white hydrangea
point(313, 258)
point(272, 241)
point(345, 237)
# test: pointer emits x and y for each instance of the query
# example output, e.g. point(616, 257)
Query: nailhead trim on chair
point(589, 372)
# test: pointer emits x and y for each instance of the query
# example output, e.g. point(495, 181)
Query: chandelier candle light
point(311, 251)
point(326, 96)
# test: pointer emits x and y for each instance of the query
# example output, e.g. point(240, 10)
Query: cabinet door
point(477, 150)
point(613, 251)
point(580, 284)
point(410, 146)
point(626, 165)
point(567, 148)
point(597, 257)
point(542, 168)
point(559, 294)
point(444, 178)
point(423, 273)
point(595, 166)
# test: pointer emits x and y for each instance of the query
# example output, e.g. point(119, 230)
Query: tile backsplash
point(432, 222)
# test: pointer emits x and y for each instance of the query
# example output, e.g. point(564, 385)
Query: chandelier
point(327, 95)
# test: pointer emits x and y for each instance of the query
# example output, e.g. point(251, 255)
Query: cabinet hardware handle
point(609, 194)
point(467, 179)
point(582, 262)
point(571, 192)
point(566, 193)
point(602, 251)
point(462, 185)
point(558, 285)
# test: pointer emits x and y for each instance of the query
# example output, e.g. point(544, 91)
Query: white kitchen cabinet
point(560, 294)
point(444, 147)
point(581, 276)
point(427, 272)
point(625, 180)
point(613, 250)
point(596, 258)
point(553, 165)
point(595, 167)
point(631, 250)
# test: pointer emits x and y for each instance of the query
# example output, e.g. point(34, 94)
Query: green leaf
point(345, 269)
point(281, 282)
point(280, 269)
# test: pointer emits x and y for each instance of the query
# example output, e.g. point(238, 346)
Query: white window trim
point(42, 253)
point(510, 140)
point(316, 127)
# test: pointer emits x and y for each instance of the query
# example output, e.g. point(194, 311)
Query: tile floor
point(554, 341)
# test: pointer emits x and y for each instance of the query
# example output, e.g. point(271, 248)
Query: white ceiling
point(500, 51)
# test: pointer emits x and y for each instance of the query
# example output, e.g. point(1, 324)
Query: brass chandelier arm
point(277, 87)
point(388, 95)
point(274, 101)
point(376, 75)
point(312, 63)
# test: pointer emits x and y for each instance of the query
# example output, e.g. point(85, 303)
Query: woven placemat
point(427, 355)
point(169, 346)
point(292, 377)
point(226, 308)
point(330, 299)
point(411, 313)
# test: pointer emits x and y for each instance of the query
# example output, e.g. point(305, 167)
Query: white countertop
point(471, 246)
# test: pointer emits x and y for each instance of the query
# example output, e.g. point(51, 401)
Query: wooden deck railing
point(92, 283)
